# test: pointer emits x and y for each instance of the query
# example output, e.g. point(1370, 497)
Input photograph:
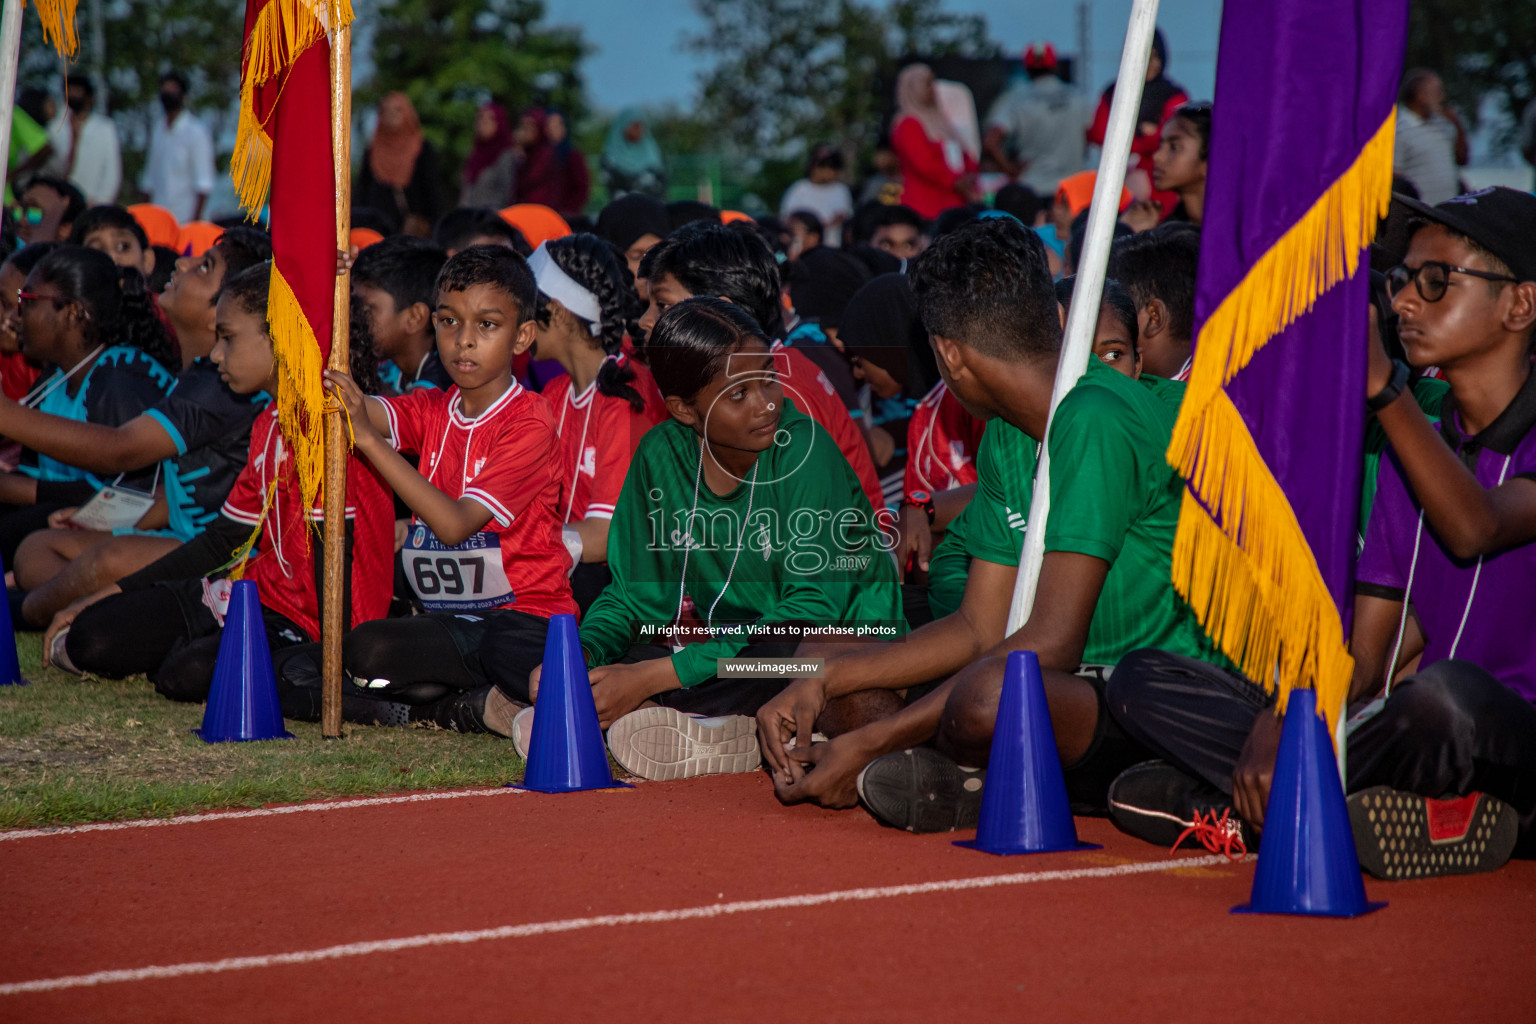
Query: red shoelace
point(1222, 835)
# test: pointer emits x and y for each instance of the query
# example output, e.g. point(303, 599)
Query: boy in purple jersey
point(1441, 735)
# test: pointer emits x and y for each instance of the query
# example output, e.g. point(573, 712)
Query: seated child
point(603, 403)
point(113, 230)
point(1441, 703)
point(1157, 268)
point(393, 279)
point(199, 435)
point(736, 515)
point(985, 293)
point(459, 229)
point(17, 372)
point(94, 322)
point(165, 620)
point(483, 552)
point(708, 259)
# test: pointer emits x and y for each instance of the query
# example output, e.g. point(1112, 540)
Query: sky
point(639, 59)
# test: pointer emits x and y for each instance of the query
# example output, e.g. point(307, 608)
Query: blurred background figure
point(490, 170)
point(823, 193)
point(1037, 129)
point(400, 172)
point(1160, 97)
point(1431, 143)
point(1179, 165)
point(179, 174)
point(85, 145)
point(937, 173)
point(632, 160)
point(571, 183)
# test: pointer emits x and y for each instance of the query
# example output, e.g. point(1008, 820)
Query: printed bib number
point(113, 508)
point(469, 577)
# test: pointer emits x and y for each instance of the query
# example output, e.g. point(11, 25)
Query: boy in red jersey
point(484, 544)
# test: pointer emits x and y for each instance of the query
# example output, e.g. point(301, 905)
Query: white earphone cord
point(1413, 564)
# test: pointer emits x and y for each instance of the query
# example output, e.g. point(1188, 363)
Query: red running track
point(1107, 946)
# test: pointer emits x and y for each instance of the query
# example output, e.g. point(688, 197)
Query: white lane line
point(572, 924)
point(255, 812)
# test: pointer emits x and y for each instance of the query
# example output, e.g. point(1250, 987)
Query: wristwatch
point(1389, 394)
point(923, 500)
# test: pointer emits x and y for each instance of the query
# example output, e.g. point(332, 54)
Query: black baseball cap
point(1501, 220)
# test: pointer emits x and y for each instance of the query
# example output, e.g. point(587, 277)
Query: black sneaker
point(460, 712)
point(1402, 835)
point(361, 708)
point(1170, 808)
point(921, 790)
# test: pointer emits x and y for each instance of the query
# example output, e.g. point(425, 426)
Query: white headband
point(557, 284)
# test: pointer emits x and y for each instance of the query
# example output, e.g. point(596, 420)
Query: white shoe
point(663, 744)
point(522, 731)
point(58, 655)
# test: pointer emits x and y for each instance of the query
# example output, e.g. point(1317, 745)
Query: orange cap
point(158, 223)
point(537, 222)
point(1077, 192)
point(731, 216)
point(362, 238)
point(197, 238)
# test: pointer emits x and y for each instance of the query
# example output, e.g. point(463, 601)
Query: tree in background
point(199, 38)
point(790, 73)
point(1478, 47)
point(449, 56)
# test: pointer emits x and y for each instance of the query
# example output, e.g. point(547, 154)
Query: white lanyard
point(48, 387)
point(1466, 612)
point(682, 586)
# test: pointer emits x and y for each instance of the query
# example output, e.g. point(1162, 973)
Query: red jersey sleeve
point(248, 496)
point(527, 456)
point(408, 415)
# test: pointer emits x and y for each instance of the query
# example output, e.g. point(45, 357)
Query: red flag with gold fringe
point(283, 159)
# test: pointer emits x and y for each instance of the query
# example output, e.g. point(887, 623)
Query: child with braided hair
point(603, 403)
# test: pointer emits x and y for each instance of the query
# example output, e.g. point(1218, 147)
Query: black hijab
point(1156, 93)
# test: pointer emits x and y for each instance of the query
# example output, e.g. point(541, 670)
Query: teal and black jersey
point(211, 427)
point(120, 385)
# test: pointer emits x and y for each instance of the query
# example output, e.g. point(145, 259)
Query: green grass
point(78, 750)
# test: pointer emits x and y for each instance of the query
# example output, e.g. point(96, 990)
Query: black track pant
point(1448, 730)
point(165, 632)
point(420, 659)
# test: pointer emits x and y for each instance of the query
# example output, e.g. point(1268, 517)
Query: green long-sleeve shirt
point(812, 553)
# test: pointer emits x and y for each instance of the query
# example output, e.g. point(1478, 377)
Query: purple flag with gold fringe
point(1270, 433)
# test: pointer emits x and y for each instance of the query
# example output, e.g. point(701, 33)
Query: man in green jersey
point(985, 296)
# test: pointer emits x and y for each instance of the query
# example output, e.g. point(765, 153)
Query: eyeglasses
point(23, 297)
point(1430, 278)
point(59, 302)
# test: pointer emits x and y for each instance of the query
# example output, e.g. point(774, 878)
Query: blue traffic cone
point(566, 752)
point(1307, 864)
point(1024, 806)
point(242, 702)
point(10, 665)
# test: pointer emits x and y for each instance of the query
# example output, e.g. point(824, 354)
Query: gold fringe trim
point(1253, 581)
point(300, 388)
point(282, 32)
point(58, 18)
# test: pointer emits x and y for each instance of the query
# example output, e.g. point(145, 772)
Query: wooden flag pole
point(336, 440)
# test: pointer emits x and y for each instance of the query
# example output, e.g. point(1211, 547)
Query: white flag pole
point(1089, 290)
point(10, 62)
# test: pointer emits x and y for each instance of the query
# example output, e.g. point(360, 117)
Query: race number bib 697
point(466, 578)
